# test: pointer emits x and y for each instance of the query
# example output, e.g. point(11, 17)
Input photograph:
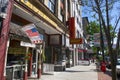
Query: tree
point(92, 28)
point(103, 8)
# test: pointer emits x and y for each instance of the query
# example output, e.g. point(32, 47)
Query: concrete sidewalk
point(74, 73)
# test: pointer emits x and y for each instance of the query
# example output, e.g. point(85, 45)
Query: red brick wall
point(4, 38)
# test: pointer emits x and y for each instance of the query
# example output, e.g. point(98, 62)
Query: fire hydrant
point(103, 66)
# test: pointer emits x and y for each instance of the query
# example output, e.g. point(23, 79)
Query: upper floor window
point(78, 34)
point(77, 20)
point(80, 24)
point(1, 20)
point(77, 6)
point(41, 0)
point(51, 5)
point(62, 10)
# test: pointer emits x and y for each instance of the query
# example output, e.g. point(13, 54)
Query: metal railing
point(14, 72)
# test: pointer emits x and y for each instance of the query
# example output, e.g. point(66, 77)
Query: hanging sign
point(26, 44)
point(76, 41)
point(72, 27)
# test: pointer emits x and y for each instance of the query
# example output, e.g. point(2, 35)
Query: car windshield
point(118, 62)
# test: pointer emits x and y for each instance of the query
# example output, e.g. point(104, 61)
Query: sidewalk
point(74, 73)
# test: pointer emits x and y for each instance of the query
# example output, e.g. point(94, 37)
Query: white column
point(6, 57)
point(36, 62)
point(26, 59)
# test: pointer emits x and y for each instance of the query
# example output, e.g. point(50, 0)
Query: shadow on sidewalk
point(72, 71)
point(108, 73)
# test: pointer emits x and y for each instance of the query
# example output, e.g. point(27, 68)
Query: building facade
point(51, 19)
point(77, 14)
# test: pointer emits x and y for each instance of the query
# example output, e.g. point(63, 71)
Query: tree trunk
point(108, 37)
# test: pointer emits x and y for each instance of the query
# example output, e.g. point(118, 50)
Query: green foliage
point(93, 28)
point(94, 49)
point(112, 33)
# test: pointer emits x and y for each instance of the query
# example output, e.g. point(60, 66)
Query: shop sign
point(16, 50)
point(76, 41)
point(26, 44)
point(3, 8)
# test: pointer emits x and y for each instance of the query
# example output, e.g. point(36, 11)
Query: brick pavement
point(104, 76)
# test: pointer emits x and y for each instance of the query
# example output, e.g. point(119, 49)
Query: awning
point(71, 49)
point(90, 51)
point(17, 33)
point(82, 50)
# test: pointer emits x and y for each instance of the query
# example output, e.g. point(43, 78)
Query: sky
point(114, 14)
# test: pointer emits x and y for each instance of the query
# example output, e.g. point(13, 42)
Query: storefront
point(22, 61)
point(22, 55)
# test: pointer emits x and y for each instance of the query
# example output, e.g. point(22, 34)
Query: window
point(78, 34)
point(79, 12)
point(77, 20)
point(51, 5)
point(77, 6)
point(1, 20)
point(62, 11)
point(80, 24)
point(41, 0)
point(68, 9)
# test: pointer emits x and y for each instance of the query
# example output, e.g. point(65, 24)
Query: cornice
point(47, 12)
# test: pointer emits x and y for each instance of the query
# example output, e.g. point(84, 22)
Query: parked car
point(118, 66)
